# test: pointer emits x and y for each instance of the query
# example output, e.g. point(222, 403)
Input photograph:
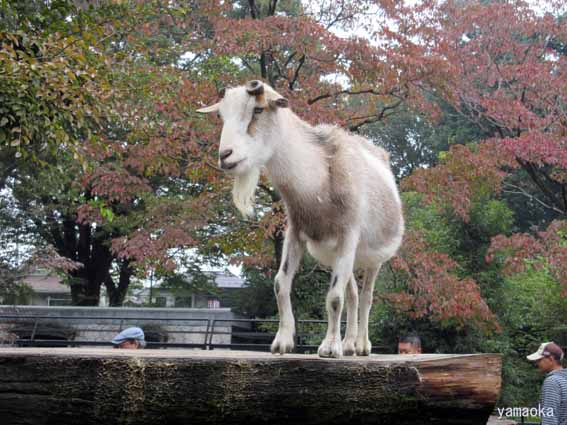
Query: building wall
point(103, 323)
point(41, 299)
point(166, 298)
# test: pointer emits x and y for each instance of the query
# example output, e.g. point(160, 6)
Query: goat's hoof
point(349, 347)
point(363, 347)
point(283, 343)
point(330, 348)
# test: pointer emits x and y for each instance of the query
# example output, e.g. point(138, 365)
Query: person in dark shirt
point(410, 344)
point(553, 404)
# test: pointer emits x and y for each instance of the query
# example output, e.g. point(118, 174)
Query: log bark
point(105, 386)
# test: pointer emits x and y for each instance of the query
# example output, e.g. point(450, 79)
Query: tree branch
point(245, 62)
point(288, 60)
point(349, 92)
point(374, 118)
point(296, 74)
point(533, 173)
point(520, 191)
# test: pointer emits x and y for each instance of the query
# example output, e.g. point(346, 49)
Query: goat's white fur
point(344, 177)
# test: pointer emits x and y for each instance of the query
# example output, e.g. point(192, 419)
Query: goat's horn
point(255, 88)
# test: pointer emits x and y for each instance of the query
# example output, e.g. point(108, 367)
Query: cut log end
point(93, 386)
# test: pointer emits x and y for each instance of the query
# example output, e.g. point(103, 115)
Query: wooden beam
point(93, 386)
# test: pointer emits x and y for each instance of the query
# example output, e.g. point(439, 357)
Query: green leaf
point(107, 214)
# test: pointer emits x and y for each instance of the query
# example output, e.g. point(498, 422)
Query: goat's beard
point(243, 191)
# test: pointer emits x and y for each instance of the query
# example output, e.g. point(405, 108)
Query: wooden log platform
point(83, 386)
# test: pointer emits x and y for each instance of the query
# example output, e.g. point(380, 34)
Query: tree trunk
point(94, 386)
point(117, 293)
point(94, 253)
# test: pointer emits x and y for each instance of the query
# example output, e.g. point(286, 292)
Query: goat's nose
point(225, 154)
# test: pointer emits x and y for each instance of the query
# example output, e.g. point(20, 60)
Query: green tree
point(68, 70)
point(52, 80)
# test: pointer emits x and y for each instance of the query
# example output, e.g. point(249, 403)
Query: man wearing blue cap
point(131, 338)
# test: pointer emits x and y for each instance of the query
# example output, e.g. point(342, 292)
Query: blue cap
point(130, 333)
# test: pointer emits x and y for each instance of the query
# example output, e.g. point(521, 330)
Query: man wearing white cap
point(553, 402)
point(132, 338)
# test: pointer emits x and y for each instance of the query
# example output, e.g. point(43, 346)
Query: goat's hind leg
point(363, 344)
point(291, 257)
point(349, 342)
point(342, 272)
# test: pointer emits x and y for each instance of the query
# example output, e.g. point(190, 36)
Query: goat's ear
point(280, 102)
point(207, 109)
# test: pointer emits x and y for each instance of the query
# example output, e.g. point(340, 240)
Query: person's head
point(410, 344)
point(130, 338)
point(548, 357)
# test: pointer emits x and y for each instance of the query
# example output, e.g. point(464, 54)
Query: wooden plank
point(88, 386)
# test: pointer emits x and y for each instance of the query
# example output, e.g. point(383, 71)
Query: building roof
point(227, 280)
point(45, 284)
point(222, 279)
point(51, 284)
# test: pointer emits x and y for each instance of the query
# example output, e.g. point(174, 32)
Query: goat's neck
point(298, 164)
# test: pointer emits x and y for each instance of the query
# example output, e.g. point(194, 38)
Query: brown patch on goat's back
point(324, 135)
point(342, 150)
point(310, 216)
point(340, 179)
point(329, 212)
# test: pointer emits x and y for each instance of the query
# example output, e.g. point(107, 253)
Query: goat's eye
point(258, 110)
point(219, 115)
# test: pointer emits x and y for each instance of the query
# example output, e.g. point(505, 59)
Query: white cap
point(547, 349)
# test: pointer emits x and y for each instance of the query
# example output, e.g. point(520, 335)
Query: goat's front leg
point(342, 273)
point(291, 257)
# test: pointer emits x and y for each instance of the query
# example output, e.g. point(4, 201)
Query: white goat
point(340, 197)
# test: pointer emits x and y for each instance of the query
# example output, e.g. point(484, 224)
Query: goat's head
point(248, 114)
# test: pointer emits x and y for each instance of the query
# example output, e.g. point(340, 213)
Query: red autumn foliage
point(48, 258)
point(434, 289)
point(463, 175)
point(546, 249)
point(501, 65)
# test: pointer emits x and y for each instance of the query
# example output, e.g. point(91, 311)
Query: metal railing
point(34, 341)
point(259, 331)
